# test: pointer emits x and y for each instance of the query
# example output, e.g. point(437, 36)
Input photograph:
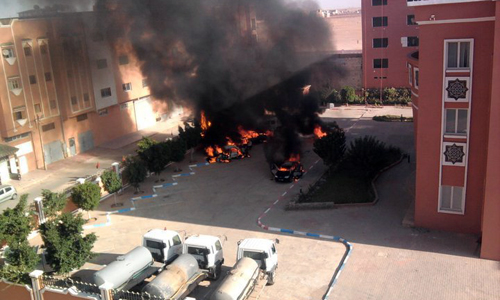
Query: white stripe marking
point(267, 210)
point(275, 202)
point(283, 194)
point(291, 187)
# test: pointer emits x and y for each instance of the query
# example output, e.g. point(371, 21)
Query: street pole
point(41, 141)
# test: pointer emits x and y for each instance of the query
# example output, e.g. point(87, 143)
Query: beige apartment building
point(64, 90)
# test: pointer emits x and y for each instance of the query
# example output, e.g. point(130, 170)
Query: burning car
point(226, 153)
point(289, 171)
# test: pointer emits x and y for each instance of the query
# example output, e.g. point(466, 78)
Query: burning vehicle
point(290, 170)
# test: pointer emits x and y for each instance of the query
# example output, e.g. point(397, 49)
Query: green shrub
point(369, 155)
point(348, 94)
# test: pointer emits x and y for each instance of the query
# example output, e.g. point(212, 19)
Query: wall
point(397, 27)
point(430, 115)
point(491, 222)
point(14, 292)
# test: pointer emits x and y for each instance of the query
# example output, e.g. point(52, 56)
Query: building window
point(53, 104)
point(8, 53)
point(14, 84)
point(86, 97)
point(80, 118)
point(454, 154)
point(412, 41)
point(17, 137)
point(380, 63)
point(416, 78)
point(19, 113)
point(379, 21)
point(123, 59)
point(380, 43)
point(456, 121)
point(127, 87)
point(32, 79)
point(27, 51)
point(38, 108)
point(410, 75)
point(43, 49)
point(103, 112)
point(74, 101)
point(102, 63)
point(48, 76)
point(145, 83)
point(48, 127)
point(254, 25)
point(379, 2)
point(458, 55)
point(106, 92)
point(410, 20)
point(452, 199)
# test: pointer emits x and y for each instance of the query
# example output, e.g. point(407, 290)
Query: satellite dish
point(5, 52)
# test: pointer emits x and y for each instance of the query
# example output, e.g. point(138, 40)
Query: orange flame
point(205, 124)
point(318, 132)
point(294, 157)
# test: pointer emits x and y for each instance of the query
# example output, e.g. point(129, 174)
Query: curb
point(331, 205)
point(183, 175)
point(161, 186)
point(337, 239)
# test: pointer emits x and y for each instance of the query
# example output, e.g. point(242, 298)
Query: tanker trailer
point(178, 279)
point(240, 281)
point(127, 270)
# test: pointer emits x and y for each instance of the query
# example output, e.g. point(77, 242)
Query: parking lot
point(389, 261)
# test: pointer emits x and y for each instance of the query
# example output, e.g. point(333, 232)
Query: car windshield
point(283, 173)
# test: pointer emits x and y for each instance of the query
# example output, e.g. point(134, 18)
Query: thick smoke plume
point(205, 55)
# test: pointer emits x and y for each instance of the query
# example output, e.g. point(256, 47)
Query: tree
point(144, 144)
point(191, 135)
point(134, 172)
point(53, 203)
point(16, 223)
point(112, 183)
point(156, 158)
point(176, 150)
point(22, 259)
point(348, 94)
point(86, 196)
point(331, 148)
point(67, 248)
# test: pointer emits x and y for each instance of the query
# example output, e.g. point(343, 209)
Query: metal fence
point(126, 295)
point(68, 282)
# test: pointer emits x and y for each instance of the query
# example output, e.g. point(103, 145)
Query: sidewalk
point(64, 173)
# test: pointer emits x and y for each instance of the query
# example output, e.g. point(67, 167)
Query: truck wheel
point(271, 277)
point(218, 271)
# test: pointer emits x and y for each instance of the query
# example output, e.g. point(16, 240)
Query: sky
point(11, 7)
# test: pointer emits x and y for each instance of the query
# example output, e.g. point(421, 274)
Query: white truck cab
point(208, 252)
point(164, 245)
point(264, 252)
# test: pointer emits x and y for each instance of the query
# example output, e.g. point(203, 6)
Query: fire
point(318, 132)
point(205, 124)
point(294, 157)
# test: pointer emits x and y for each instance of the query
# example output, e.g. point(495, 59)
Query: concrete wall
point(10, 291)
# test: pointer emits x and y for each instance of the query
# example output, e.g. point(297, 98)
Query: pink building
point(455, 80)
point(389, 35)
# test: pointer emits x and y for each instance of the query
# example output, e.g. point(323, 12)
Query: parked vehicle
point(229, 153)
point(257, 262)
point(7, 192)
point(179, 266)
point(178, 279)
point(289, 171)
point(208, 252)
point(164, 245)
point(127, 270)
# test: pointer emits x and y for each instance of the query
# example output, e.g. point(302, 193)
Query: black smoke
point(205, 55)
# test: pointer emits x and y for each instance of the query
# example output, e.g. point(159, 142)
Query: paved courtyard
point(389, 261)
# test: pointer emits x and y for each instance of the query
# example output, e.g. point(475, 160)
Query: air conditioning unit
point(404, 41)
